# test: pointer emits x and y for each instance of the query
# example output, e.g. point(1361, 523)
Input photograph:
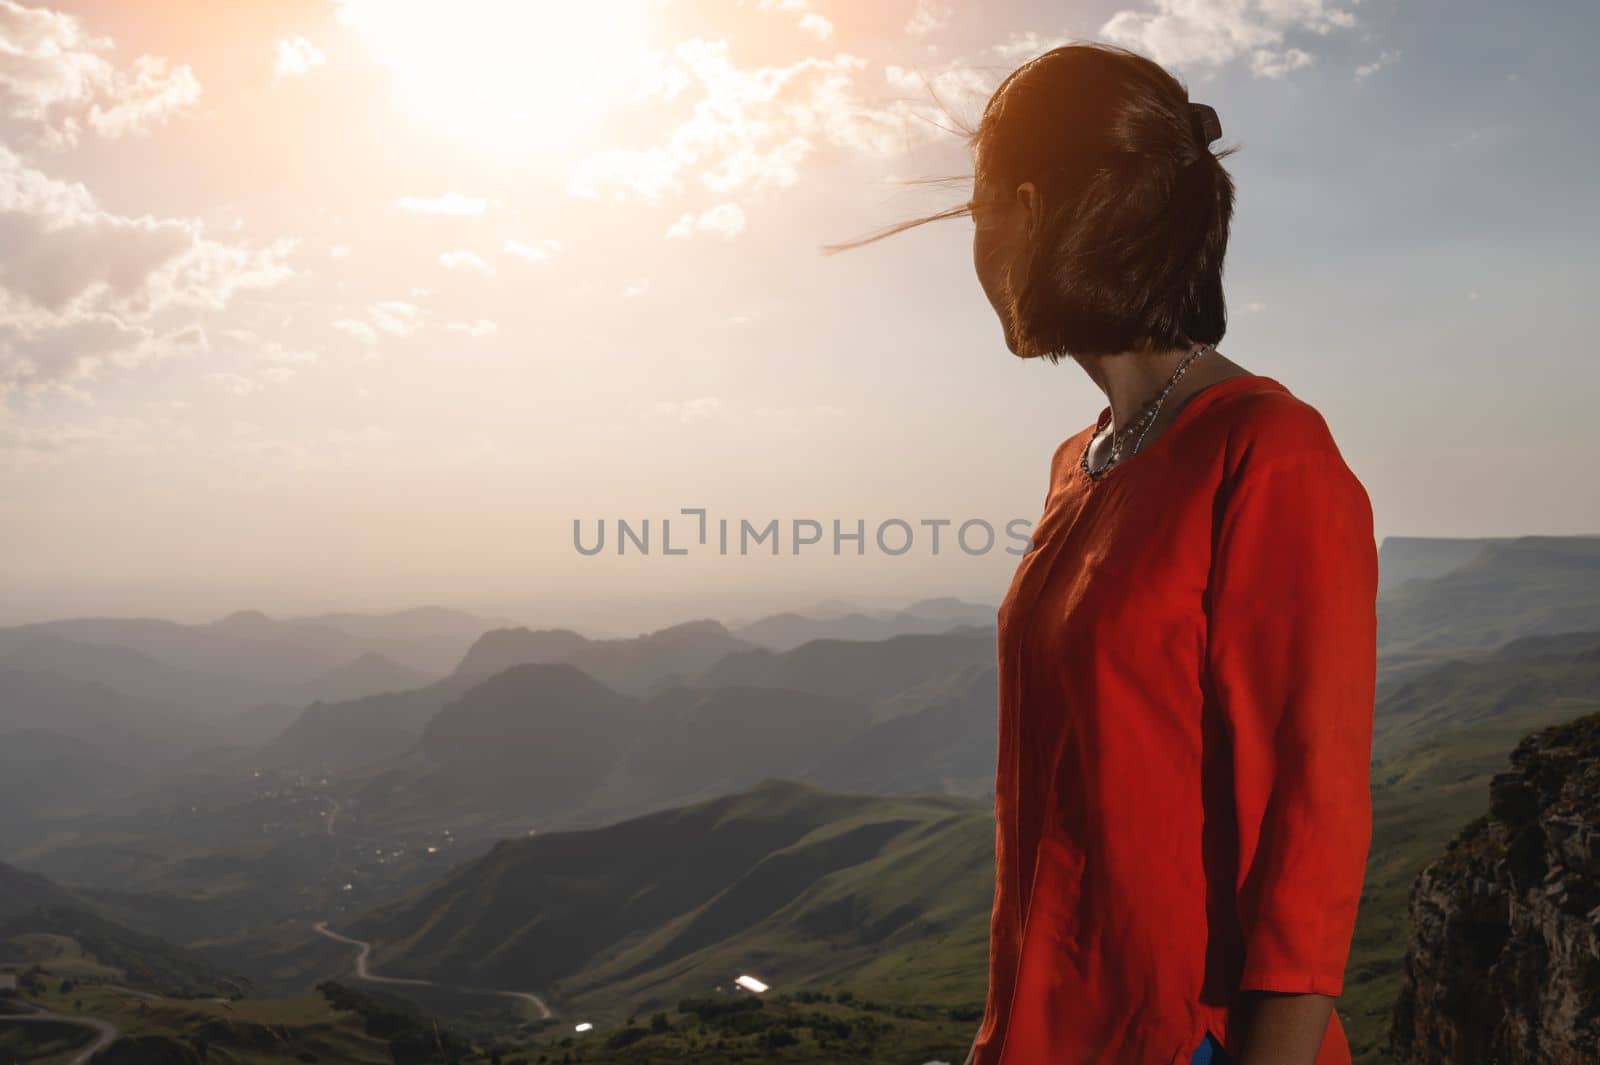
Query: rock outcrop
point(1504, 962)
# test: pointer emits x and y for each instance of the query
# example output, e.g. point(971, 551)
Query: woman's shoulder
point(1262, 423)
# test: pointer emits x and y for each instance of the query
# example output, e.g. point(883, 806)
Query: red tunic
point(1187, 665)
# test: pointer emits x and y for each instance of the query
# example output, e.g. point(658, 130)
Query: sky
point(362, 304)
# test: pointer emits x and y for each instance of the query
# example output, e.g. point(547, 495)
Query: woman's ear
point(1029, 200)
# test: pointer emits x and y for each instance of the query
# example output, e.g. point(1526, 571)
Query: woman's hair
point(1136, 206)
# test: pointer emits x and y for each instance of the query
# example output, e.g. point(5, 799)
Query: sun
point(510, 72)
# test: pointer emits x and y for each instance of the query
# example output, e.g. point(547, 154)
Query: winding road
point(105, 1029)
point(363, 972)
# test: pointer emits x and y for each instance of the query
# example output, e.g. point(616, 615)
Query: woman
point(1187, 656)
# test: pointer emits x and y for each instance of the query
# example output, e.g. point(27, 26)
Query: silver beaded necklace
point(1141, 423)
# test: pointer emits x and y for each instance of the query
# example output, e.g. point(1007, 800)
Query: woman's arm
point(1292, 649)
point(1285, 1029)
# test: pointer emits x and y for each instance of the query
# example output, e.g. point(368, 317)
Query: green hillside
point(888, 897)
point(805, 888)
point(1523, 675)
point(1527, 586)
point(175, 1030)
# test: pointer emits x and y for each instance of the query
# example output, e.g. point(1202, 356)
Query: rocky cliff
point(1504, 963)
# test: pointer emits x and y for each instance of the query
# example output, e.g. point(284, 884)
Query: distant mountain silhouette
point(786, 631)
point(865, 671)
point(632, 665)
point(44, 774)
point(549, 742)
point(363, 731)
point(939, 737)
point(695, 743)
point(341, 735)
point(1528, 586)
point(121, 728)
point(252, 648)
point(639, 664)
point(430, 639)
point(1408, 558)
point(369, 674)
point(807, 714)
point(195, 694)
point(533, 737)
point(22, 891)
point(500, 650)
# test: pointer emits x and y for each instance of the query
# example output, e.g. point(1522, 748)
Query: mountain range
point(618, 823)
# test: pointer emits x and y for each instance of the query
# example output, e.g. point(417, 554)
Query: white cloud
point(55, 77)
point(339, 251)
point(1214, 33)
point(1387, 57)
point(480, 328)
point(451, 203)
point(929, 16)
point(82, 287)
point(816, 25)
point(136, 103)
point(268, 350)
point(724, 220)
point(1265, 63)
point(809, 22)
point(39, 351)
point(959, 82)
point(29, 445)
point(747, 128)
point(690, 410)
point(296, 57)
point(396, 317)
point(358, 329)
point(464, 260)
point(232, 383)
point(1020, 46)
point(541, 252)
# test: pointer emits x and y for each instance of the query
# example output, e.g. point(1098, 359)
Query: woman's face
point(1004, 220)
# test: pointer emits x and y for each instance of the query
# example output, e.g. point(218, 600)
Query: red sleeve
point(1292, 648)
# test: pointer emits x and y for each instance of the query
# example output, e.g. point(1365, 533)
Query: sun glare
point(509, 71)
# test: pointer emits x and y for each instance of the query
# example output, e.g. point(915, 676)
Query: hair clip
point(1205, 123)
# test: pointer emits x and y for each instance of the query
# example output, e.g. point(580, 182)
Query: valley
point(506, 833)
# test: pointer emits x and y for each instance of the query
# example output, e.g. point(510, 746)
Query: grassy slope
point(242, 1032)
point(1523, 586)
point(905, 924)
point(900, 923)
point(1528, 672)
point(801, 886)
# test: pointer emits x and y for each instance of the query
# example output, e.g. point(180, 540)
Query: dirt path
point(364, 972)
point(105, 1029)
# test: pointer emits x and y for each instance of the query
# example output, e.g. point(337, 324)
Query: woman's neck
point(1131, 379)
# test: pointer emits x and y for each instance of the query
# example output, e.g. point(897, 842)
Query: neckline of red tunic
point(1192, 406)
